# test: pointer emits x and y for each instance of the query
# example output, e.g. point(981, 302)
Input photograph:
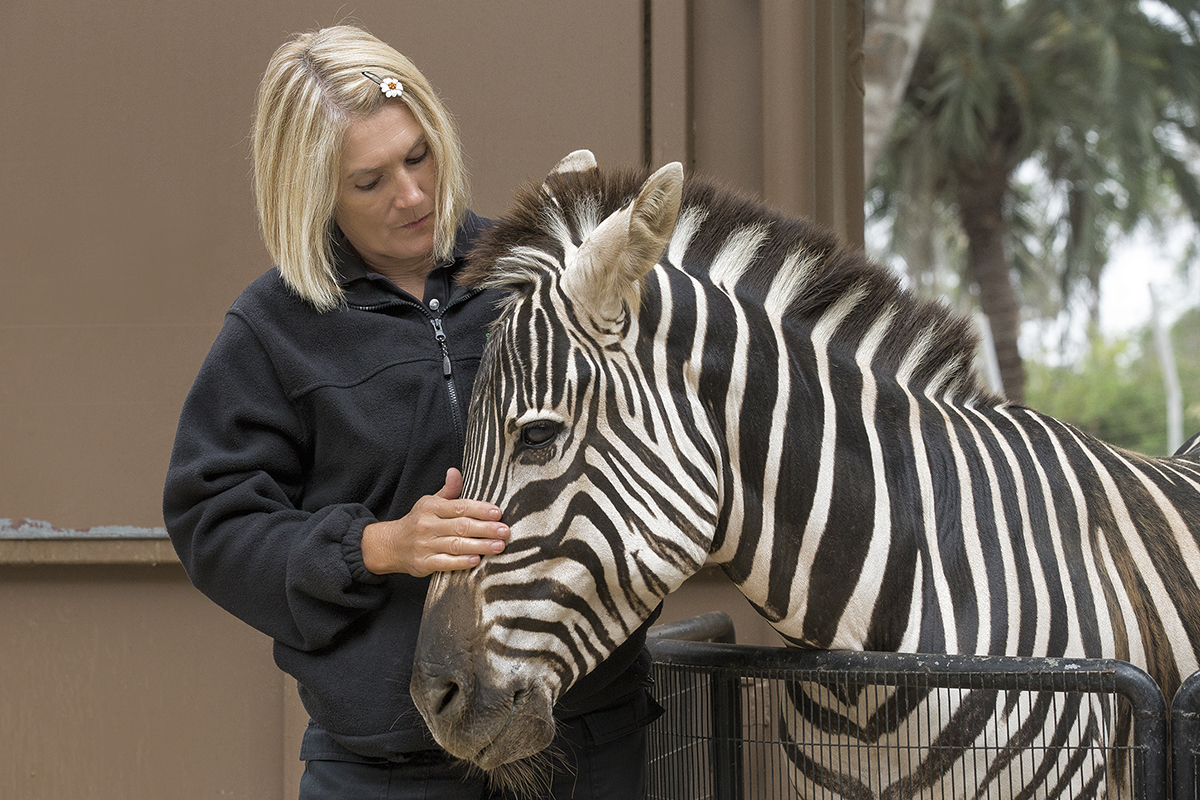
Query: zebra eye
point(539, 434)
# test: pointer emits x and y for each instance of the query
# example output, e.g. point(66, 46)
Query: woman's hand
point(441, 533)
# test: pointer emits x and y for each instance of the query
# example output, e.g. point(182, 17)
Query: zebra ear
point(606, 272)
point(579, 161)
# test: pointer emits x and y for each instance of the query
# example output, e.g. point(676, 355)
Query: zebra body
point(681, 376)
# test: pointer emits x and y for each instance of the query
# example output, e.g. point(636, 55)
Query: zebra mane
point(792, 266)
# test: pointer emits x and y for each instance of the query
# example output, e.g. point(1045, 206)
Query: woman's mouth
point(418, 223)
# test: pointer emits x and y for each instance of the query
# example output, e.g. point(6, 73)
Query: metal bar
point(1185, 739)
point(715, 626)
point(728, 770)
point(725, 747)
point(888, 669)
point(1150, 774)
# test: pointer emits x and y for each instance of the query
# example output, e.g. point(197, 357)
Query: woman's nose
point(408, 193)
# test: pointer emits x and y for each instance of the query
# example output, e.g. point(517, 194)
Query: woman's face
point(387, 185)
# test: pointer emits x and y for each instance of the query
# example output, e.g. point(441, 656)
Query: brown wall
point(126, 225)
point(126, 229)
point(114, 686)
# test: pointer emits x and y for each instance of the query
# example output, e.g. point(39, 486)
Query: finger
point(444, 562)
point(459, 507)
point(481, 530)
point(466, 509)
point(453, 485)
point(453, 563)
point(470, 545)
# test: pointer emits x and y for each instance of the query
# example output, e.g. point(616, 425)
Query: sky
point(1138, 262)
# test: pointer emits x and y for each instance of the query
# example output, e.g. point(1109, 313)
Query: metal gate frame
point(1185, 739)
point(726, 662)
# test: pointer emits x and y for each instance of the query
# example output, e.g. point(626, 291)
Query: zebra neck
point(807, 525)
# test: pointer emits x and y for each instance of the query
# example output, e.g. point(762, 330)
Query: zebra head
point(563, 436)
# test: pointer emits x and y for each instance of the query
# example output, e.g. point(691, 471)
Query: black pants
point(598, 756)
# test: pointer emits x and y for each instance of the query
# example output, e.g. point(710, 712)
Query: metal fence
point(748, 723)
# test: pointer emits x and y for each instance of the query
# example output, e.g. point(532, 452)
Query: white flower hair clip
point(391, 87)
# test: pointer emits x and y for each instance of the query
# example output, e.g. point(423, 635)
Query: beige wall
point(120, 681)
point(126, 229)
point(126, 224)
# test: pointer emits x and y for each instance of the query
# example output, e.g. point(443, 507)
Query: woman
point(312, 488)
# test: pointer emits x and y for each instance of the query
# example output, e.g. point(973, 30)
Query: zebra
point(681, 376)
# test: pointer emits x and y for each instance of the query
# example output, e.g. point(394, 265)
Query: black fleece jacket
point(302, 428)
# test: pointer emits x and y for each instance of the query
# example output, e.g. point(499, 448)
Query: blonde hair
point(313, 89)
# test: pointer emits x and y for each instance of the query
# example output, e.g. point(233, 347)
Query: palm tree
point(1102, 95)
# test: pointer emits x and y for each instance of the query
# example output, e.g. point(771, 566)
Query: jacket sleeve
point(231, 505)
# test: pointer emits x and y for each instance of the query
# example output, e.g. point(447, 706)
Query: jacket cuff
point(352, 553)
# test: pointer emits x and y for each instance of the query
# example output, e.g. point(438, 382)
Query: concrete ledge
point(35, 529)
point(147, 552)
point(31, 542)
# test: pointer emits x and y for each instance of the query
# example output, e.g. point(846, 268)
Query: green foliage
point(1115, 391)
point(1099, 99)
point(1107, 395)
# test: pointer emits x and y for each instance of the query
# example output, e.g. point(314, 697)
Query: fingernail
point(497, 547)
point(473, 560)
point(503, 531)
point(494, 513)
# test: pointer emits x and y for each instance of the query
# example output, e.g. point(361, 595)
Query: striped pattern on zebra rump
point(680, 375)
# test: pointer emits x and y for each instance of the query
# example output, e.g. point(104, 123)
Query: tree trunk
point(981, 211)
point(894, 29)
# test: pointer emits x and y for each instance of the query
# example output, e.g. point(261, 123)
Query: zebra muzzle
point(479, 708)
point(479, 719)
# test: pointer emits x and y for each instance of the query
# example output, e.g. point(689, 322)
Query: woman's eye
point(539, 434)
point(369, 186)
point(417, 158)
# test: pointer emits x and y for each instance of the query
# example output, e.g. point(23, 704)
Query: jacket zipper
point(447, 373)
point(439, 334)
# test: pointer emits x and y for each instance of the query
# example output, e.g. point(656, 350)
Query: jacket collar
point(362, 285)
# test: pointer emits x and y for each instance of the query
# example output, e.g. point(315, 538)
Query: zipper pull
point(440, 335)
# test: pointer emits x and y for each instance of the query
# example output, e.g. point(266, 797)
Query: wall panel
point(120, 681)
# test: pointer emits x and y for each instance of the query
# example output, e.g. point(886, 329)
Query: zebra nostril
point(448, 696)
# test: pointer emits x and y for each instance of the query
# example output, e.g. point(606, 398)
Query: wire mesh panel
point(1185, 739)
point(765, 723)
